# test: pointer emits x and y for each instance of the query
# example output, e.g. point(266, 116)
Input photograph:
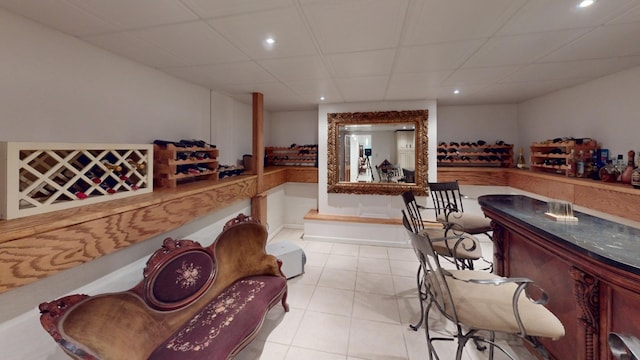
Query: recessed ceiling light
point(322, 98)
point(586, 3)
point(456, 91)
point(270, 41)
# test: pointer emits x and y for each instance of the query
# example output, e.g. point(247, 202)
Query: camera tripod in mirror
point(365, 173)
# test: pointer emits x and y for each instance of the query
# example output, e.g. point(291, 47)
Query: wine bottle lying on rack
point(64, 178)
point(111, 166)
point(137, 165)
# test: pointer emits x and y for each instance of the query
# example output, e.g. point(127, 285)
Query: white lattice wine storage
point(41, 177)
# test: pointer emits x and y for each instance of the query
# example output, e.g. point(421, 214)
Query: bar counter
point(590, 269)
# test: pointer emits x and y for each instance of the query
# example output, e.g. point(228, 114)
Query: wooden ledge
point(314, 215)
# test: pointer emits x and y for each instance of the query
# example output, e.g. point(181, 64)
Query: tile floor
point(353, 302)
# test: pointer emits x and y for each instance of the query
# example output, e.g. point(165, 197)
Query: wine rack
point(43, 177)
point(552, 155)
point(295, 155)
point(175, 165)
point(485, 155)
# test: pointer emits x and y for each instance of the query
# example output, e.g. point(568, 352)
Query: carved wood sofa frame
point(193, 302)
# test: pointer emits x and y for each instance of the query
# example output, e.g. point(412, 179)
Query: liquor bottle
point(609, 172)
point(588, 165)
point(520, 163)
point(635, 176)
point(580, 165)
point(571, 164)
point(625, 178)
point(595, 165)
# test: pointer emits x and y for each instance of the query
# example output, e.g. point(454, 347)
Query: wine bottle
point(111, 166)
point(521, 163)
point(64, 178)
point(580, 165)
point(137, 165)
point(571, 164)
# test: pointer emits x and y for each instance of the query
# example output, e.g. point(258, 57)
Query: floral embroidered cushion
point(178, 275)
point(220, 329)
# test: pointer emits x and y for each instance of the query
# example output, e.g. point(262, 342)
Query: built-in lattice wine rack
point(39, 178)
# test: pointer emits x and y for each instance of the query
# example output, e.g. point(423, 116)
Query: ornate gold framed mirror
point(382, 153)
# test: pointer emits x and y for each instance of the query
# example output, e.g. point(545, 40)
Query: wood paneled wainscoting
point(38, 246)
point(590, 269)
point(610, 198)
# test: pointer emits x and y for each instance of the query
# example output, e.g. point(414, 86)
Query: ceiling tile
point(631, 15)
point(249, 32)
point(571, 69)
point(516, 92)
point(366, 63)
point(436, 57)
point(296, 68)
point(371, 24)
point(546, 15)
point(316, 89)
point(485, 75)
point(363, 89)
point(196, 42)
point(210, 9)
point(451, 20)
point(218, 76)
point(520, 49)
point(136, 49)
point(60, 15)
point(415, 85)
point(603, 42)
point(135, 14)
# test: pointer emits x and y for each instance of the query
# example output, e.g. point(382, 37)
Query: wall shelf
point(44, 177)
point(552, 156)
point(488, 155)
point(299, 155)
point(174, 165)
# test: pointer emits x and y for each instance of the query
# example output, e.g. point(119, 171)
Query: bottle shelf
point(553, 155)
point(298, 155)
point(486, 155)
point(43, 177)
point(175, 165)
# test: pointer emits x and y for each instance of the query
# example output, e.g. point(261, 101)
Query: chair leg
point(421, 297)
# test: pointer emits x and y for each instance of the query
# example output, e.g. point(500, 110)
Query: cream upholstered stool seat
point(460, 247)
point(491, 308)
point(447, 201)
point(477, 302)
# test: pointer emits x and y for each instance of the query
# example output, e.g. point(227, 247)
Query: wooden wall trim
point(38, 246)
point(610, 198)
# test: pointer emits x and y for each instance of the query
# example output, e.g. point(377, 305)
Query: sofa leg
point(284, 301)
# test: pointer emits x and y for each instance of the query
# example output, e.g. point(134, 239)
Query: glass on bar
point(560, 210)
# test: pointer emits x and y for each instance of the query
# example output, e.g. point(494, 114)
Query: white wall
point(56, 88)
point(291, 127)
point(479, 122)
point(368, 205)
point(606, 109)
point(231, 128)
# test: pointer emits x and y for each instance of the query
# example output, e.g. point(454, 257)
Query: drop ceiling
point(493, 51)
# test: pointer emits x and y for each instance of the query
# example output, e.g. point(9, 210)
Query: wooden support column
point(259, 202)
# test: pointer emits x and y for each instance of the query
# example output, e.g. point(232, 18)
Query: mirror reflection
point(377, 153)
point(382, 153)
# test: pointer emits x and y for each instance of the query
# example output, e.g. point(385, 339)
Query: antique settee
point(193, 302)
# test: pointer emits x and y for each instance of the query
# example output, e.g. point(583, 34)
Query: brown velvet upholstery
point(131, 324)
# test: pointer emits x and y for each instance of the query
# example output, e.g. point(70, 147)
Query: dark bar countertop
point(612, 243)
